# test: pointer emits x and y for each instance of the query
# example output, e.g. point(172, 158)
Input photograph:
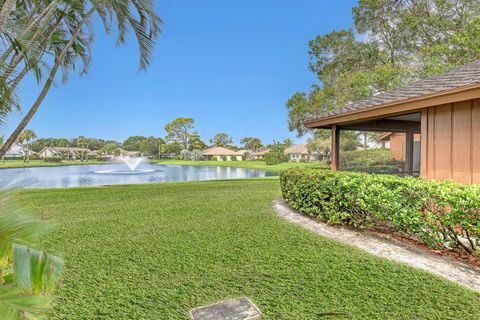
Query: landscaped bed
point(443, 215)
point(157, 251)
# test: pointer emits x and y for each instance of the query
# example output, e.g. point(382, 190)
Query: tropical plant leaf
point(17, 224)
point(16, 304)
point(36, 271)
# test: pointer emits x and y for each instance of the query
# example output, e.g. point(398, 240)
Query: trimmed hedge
point(52, 159)
point(440, 214)
point(370, 160)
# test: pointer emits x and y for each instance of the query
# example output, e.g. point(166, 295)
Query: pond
point(112, 174)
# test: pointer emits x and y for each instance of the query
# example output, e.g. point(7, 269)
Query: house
point(65, 152)
point(299, 152)
point(442, 110)
point(221, 154)
point(244, 154)
point(17, 151)
point(261, 154)
point(126, 153)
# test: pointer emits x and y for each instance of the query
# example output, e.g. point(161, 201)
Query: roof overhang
point(398, 107)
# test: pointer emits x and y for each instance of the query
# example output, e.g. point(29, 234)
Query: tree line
point(181, 136)
point(391, 43)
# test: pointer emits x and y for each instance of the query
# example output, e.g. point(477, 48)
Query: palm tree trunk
point(5, 12)
point(28, 156)
point(48, 84)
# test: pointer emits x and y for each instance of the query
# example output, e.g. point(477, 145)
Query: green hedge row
point(52, 159)
point(441, 214)
point(370, 160)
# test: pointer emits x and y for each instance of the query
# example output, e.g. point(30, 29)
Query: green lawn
point(40, 163)
point(156, 251)
point(254, 164)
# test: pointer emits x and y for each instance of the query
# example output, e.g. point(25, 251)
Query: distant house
point(65, 152)
point(17, 151)
point(261, 154)
point(299, 153)
point(244, 154)
point(221, 154)
point(126, 153)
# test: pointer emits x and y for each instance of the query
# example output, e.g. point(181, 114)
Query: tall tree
point(21, 141)
point(110, 149)
point(221, 140)
point(25, 138)
point(58, 31)
point(251, 143)
point(151, 146)
point(392, 43)
point(133, 143)
point(181, 131)
point(83, 142)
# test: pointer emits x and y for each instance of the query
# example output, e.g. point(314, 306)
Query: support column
point(335, 147)
point(409, 152)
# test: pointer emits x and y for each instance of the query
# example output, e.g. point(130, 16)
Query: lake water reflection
point(87, 175)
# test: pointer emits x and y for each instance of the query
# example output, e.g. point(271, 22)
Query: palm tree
point(29, 136)
point(57, 31)
point(21, 141)
point(83, 143)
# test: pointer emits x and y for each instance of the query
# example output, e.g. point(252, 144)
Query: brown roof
point(67, 149)
point(263, 152)
point(242, 152)
point(466, 75)
point(298, 148)
point(219, 151)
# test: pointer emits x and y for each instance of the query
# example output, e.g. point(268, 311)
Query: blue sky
point(230, 65)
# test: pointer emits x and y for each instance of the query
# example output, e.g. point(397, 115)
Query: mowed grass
point(8, 164)
point(251, 164)
point(156, 251)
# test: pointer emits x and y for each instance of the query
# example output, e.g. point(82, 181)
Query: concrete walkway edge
point(392, 249)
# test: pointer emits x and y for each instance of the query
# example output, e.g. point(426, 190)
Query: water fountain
point(132, 164)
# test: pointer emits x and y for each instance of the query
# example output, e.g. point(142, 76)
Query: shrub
point(196, 155)
point(52, 159)
point(184, 154)
point(272, 158)
point(370, 160)
point(440, 214)
point(224, 158)
point(214, 158)
point(233, 158)
point(193, 155)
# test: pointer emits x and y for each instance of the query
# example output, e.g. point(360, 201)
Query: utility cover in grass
point(237, 309)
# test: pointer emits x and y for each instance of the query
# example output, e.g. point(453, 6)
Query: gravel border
point(392, 249)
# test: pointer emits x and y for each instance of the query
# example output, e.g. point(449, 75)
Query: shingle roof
point(263, 152)
point(298, 148)
point(219, 151)
point(468, 74)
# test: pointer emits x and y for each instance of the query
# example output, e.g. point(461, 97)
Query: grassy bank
point(156, 251)
point(9, 164)
point(254, 164)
